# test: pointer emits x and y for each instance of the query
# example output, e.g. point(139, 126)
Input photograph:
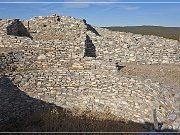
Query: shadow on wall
point(19, 112)
point(90, 28)
point(17, 28)
point(15, 103)
point(90, 49)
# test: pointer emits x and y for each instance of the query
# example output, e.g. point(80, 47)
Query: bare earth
point(167, 75)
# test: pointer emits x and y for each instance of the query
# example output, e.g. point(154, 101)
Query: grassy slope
point(166, 32)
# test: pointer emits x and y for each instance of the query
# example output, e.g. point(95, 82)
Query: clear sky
point(117, 14)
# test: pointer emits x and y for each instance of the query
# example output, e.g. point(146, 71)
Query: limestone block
point(41, 57)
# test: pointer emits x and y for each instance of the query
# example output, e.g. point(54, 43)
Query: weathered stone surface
point(41, 57)
point(71, 65)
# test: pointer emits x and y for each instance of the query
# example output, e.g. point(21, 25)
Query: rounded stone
point(172, 117)
point(41, 57)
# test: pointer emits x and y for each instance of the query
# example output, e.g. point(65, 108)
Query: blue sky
point(100, 14)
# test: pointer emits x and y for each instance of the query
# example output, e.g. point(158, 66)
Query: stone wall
point(128, 47)
point(73, 65)
point(55, 27)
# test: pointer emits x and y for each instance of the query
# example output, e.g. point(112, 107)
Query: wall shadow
point(17, 28)
point(90, 28)
point(21, 113)
point(15, 103)
point(90, 49)
point(119, 67)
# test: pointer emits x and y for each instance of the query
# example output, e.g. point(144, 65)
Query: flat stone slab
point(172, 117)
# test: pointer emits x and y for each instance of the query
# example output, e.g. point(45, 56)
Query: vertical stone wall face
point(127, 47)
point(53, 67)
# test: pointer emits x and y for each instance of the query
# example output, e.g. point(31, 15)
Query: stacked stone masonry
point(65, 61)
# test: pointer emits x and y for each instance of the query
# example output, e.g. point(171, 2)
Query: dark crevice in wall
point(15, 103)
point(90, 49)
point(119, 67)
point(17, 28)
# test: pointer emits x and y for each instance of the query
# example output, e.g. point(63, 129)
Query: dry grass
point(60, 120)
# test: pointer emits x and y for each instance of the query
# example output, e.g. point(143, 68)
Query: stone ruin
point(67, 62)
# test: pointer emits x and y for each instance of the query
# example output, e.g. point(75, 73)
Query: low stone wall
point(99, 89)
point(17, 28)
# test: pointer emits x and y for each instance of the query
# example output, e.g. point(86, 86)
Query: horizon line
point(89, 2)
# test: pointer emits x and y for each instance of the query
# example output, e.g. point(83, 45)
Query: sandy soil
point(168, 75)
